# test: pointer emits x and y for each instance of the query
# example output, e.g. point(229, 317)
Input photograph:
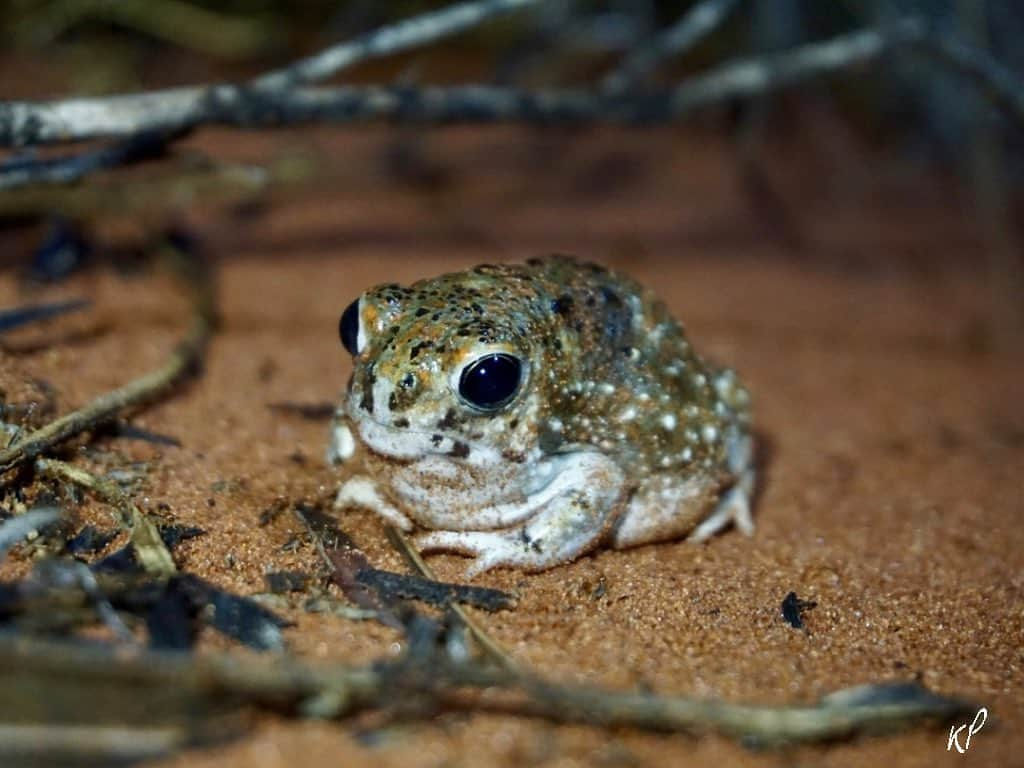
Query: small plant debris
point(127, 431)
point(33, 313)
point(440, 593)
point(346, 563)
point(793, 609)
point(280, 582)
point(89, 540)
point(64, 250)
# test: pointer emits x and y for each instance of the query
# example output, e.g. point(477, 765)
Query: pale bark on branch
point(280, 97)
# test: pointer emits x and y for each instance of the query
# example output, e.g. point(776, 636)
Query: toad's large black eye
point(348, 327)
point(491, 381)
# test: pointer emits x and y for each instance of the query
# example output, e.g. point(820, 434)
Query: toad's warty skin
point(525, 414)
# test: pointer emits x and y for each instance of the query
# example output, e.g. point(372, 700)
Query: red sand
point(894, 433)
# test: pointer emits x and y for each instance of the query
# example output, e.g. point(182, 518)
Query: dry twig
point(410, 33)
point(695, 25)
point(212, 684)
point(281, 97)
point(185, 357)
point(15, 318)
point(150, 550)
point(18, 172)
point(175, 109)
point(490, 646)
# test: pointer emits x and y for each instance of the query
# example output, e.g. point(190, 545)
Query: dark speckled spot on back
point(617, 320)
point(611, 298)
point(562, 305)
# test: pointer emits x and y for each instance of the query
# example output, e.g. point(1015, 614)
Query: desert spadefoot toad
point(526, 414)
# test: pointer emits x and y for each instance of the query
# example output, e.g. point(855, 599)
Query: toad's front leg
point(592, 489)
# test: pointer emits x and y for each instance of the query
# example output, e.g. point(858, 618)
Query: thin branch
point(150, 550)
point(185, 358)
point(410, 33)
point(997, 83)
point(695, 25)
point(217, 682)
point(845, 713)
point(34, 123)
point(743, 78)
point(270, 101)
point(489, 645)
point(244, 107)
point(15, 318)
point(756, 76)
point(20, 171)
point(202, 184)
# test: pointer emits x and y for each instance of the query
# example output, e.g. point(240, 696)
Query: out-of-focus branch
point(998, 83)
point(15, 318)
point(212, 683)
point(19, 171)
point(695, 25)
point(33, 123)
point(258, 104)
point(244, 106)
point(418, 31)
point(180, 23)
point(756, 76)
point(186, 357)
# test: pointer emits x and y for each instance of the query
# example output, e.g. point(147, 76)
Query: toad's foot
point(572, 523)
point(732, 509)
point(734, 506)
point(361, 491)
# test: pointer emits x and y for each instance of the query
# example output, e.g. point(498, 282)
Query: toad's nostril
point(367, 380)
point(366, 402)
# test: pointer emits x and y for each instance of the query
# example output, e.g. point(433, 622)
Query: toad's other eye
point(491, 381)
point(348, 328)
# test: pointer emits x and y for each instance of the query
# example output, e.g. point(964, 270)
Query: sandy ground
point(891, 424)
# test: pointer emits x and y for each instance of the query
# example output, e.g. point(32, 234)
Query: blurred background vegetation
point(106, 46)
point(908, 108)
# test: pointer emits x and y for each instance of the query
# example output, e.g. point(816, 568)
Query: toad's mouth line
point(409, 444)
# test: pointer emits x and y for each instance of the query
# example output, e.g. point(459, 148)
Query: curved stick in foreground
point(212, 683)
point(185, 357)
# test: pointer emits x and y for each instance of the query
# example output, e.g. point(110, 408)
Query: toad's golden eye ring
point(491, 381)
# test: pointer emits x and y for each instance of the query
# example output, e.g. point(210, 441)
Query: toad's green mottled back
point(527, 413)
